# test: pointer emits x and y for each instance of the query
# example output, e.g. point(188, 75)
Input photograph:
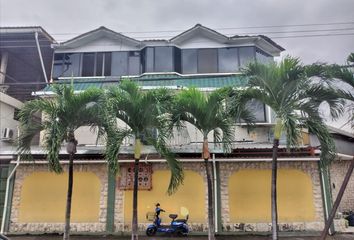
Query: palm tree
point(62, 115)
point(143, 112)
point(208, 114)
point(346, 76)
point(288, 90)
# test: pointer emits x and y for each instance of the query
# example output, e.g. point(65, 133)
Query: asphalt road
point(236, 237)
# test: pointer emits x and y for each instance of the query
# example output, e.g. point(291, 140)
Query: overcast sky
point(79, 16)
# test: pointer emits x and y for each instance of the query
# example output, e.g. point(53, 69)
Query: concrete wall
point(7, 109)
point(299, 188)
point(49, 194)
point(338, 171)
point(314, 223)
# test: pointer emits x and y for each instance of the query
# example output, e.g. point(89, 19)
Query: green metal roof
point(158, 80)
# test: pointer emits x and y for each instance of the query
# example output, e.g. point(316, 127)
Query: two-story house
point(199, 57)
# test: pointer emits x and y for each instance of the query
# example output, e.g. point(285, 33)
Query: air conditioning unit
point(7, 134)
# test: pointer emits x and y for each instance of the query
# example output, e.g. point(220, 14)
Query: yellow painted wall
point(43, 197)
point(191, 196)
point(250, 191)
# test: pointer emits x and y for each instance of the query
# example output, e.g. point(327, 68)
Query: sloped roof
point(96, 33)
point(188, 34)
point(199, 28)
point(26, 29)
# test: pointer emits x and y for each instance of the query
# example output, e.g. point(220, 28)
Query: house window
point(177, 60)
point(189, 61)
point(163, 59)
point(66, 65)
point(207, 61)
point(125, 63)
point(134, 63)
point(246, 55)
point(258, 110)
point(148, 59)
point(228, 60)
point(96, 64)
point(119, 63)
point(88, 65)
point(107, 64)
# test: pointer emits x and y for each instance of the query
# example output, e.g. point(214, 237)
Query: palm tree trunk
point(135, 201)
point(137, 153)
point(69, 198)
point(337, 201)
point(211, 229)
point(206, 156)
point(274, 190)
point(71, 149)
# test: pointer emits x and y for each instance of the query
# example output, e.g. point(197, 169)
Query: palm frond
point(328, 149)
point(174, 165)
point(114, 139)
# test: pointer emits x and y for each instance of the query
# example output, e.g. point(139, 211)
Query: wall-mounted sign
point(126, 179)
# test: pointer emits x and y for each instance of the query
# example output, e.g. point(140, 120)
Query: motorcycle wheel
point(151, 231)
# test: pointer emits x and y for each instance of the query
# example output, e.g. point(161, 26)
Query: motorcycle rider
point(158, 210)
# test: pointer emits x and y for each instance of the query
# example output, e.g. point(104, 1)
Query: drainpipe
point(40, 56)
point(215, 196)
point(4, 214)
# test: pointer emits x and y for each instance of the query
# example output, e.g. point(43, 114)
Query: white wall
point(7, 108)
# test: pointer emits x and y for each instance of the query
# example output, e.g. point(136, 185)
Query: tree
point(287, 88)
point(208, 114)
point(346, 76)
point(144, 112)
point(61, 116)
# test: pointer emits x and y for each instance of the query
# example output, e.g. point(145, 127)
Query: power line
point(229, 28)
point(231, 34)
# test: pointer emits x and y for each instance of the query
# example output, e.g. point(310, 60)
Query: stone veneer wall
point(26, 169)
point(120, 225)
point(338, 171)
point(311, 168)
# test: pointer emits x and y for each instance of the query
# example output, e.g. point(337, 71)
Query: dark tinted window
point(149, 59)
point(177, 60)
point(189, 61)
point(207, 61)
point(257, 109)
point(58, 65)
point(163, 59)
point(99, 64)
point(119, 63)
point(228, 59)
point(72, 64)
point(107, 63)
point(247, 55)
point(88, 62)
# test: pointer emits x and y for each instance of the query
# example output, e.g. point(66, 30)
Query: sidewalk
point(142, 237)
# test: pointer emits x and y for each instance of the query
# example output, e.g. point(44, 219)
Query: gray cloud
point(79, 16)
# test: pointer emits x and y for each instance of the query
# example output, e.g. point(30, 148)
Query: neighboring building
point(22, 52)
point(199, 57)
